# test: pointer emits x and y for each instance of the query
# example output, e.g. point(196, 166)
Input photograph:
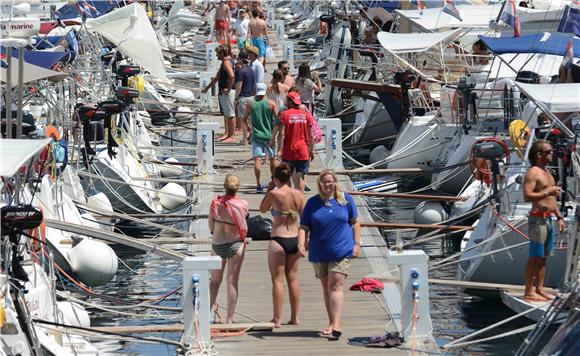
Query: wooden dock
point(365, 314)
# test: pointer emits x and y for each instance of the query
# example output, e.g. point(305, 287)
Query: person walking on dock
point(307, 84)
point(255, 64)
point(295, 129)
point(287, 79)
point(259, 118)
point(541, 190)
point(259, 34)
point(222, 22)
point(227, 223)
point(225, 80)
point(245, 90)
point(285, 204)
point(330, 232)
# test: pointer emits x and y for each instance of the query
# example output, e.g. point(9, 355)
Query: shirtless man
point(222, 22)
point(285, 68)
point(541, 190)
point(259, 34)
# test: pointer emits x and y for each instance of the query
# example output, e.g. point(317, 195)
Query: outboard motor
point(14, 220)
point(465, 87)
point(404, 79)
point(125, 71)
point(105, 112)
point(494, 151)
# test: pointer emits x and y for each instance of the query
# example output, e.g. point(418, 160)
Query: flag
point(568, 59)
point(510, 16)
point(570, 22)
point(451, 10)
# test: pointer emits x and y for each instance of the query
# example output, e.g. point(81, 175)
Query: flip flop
point(335, 335)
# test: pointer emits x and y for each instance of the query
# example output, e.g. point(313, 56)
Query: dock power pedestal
point(415, 309)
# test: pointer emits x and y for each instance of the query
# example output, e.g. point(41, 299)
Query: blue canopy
point(542, 42)
point(44, 59)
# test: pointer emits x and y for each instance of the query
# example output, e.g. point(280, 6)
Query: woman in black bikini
point(285, 204)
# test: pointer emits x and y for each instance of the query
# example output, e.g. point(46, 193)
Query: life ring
point(519, 133)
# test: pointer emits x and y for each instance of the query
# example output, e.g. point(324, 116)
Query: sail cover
point(411, 42)
point(130, 30)
point(555, 97)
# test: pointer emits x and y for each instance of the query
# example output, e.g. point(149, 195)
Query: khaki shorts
point(321, 269)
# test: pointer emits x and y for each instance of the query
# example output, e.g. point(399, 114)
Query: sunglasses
point(546, 151)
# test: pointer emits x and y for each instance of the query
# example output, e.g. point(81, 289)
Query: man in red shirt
point(295, 128)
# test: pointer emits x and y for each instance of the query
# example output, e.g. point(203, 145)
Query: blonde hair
point(336, 194)
point(232, 184)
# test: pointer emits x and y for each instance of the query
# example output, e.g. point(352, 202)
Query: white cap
point(260, 89)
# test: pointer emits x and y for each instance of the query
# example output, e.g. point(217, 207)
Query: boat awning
point(433, 19)
point(556, 98)
point(14, 153)
point(412, 42)
point(543, 42)
point(130, 30)
point(542, 64)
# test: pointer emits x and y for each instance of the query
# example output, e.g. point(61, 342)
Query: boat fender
point(172, 195)
point(430, 212)
point(379, 153)
point(183, 113)
point(74, 314)
point(168, 170)
point(93, 262)
point(184, 95)
point(101, 202)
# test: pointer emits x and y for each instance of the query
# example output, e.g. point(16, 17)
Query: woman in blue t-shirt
point(331, 232)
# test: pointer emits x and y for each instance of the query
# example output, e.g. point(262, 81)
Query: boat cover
point(411, 42)
point(85, 8)
point(14, 153)
point(31, 73)
point(556, 98)
point(130, 30)
point(543, 42)
point(433, 19)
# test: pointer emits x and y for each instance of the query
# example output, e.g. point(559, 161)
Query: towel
point(236, 208)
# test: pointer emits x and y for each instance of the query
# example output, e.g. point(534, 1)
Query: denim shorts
point(262, 149)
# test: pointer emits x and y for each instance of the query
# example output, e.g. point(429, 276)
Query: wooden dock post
point(205, 146)
point(414, 289)
point(332, 130)
point(196, 294)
